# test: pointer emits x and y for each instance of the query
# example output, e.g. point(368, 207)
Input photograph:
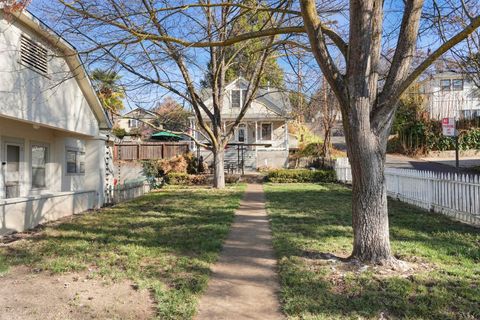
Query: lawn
point(309, 220)
point(164, 241)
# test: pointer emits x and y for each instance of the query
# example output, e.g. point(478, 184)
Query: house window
point(33, 55)
point(266, 133)
point(445, 85)
point(241, 134)
point(132, 123)
point(467, 114)
point(12, 177)
point(75, 161)
point(39, 166)
point(238, 98)
point(457, 85)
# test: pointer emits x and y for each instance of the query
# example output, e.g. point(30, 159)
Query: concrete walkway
point(244, 281)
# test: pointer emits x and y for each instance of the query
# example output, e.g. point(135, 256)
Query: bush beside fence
point(300, 175)
point(176, 178)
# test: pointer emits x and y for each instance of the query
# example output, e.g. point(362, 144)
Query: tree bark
point(219, 171)
point(369, 207)
point(366, 152)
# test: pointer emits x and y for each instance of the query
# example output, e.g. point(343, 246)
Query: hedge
point(175, 178)
point(300, 175)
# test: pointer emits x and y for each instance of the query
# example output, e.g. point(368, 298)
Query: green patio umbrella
point(164, 135)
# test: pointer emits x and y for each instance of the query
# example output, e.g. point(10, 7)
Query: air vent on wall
point(33, 55)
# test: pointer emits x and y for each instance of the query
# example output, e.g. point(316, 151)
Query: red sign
point(448, 127)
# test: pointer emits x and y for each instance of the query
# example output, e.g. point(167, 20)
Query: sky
point(148, 96)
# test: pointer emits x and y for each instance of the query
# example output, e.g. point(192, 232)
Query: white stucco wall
point(58, 180)
point(65, 193)
point(54, 101)
point(20, 214)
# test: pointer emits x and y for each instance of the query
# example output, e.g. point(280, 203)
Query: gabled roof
point(275, 100)
point(148, 114)
point(73, 60)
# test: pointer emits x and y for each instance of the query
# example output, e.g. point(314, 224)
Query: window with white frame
point(238, 97)
point(445, 84)
point(266, 131)
point(132, 123)
point(470, 114)
point(39, 165)
point(466, 114)
point(75, 161)
point(241, 133)
point(457, 85)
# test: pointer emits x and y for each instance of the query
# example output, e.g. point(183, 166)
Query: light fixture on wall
point(36, 126)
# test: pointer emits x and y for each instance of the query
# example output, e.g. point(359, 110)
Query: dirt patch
point(29, 295)
point(341, 265)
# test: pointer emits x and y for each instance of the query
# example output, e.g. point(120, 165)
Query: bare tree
point(158, 44)
point(368, 105)
point(367, 101)
point(326, 102)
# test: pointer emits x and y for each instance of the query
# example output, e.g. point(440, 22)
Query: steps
point(249, 158)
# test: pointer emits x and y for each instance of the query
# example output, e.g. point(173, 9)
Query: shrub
point(177, 178)
point(185, 179)
point(119, 132)
point(232, 178)
point(314, 149)
point(300, 175)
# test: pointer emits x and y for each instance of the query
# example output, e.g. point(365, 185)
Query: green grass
point(164, 241)
point(308, 219)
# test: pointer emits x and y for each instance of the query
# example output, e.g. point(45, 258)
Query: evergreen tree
point(109, 91)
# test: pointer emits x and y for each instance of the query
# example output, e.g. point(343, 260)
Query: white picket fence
point(126, 191)
point(451, 194)
point(343, 170)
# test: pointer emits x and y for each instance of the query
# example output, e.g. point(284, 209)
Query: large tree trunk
point(366, 152)
point(219, 171)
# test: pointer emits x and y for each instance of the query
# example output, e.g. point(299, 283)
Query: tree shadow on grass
point(308, 220)
point(355, 296)
point(166, 240)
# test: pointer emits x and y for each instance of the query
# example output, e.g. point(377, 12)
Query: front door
point(241, 134)
point(12, 173)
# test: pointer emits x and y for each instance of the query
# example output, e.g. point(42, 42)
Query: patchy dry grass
point(309, 220)
point(164, 241)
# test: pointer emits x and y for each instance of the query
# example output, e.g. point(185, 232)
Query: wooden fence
point(126, 191)
point(149, 150)
point(451, 194)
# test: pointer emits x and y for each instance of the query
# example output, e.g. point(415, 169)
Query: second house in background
point(451, 94)
point(263, 130)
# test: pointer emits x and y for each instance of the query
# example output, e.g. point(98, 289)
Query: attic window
point(238, 97)
point(33, 55)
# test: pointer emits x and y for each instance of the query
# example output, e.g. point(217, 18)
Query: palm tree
point(109, 91)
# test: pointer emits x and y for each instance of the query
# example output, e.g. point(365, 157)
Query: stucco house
point(263, 132)
point(451, 94)
point(52, 150)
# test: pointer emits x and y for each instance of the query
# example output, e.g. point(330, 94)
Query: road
point(430, 164)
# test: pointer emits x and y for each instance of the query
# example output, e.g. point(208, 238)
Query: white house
point(451, 94)
point(52, 151)
point(263, 131)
